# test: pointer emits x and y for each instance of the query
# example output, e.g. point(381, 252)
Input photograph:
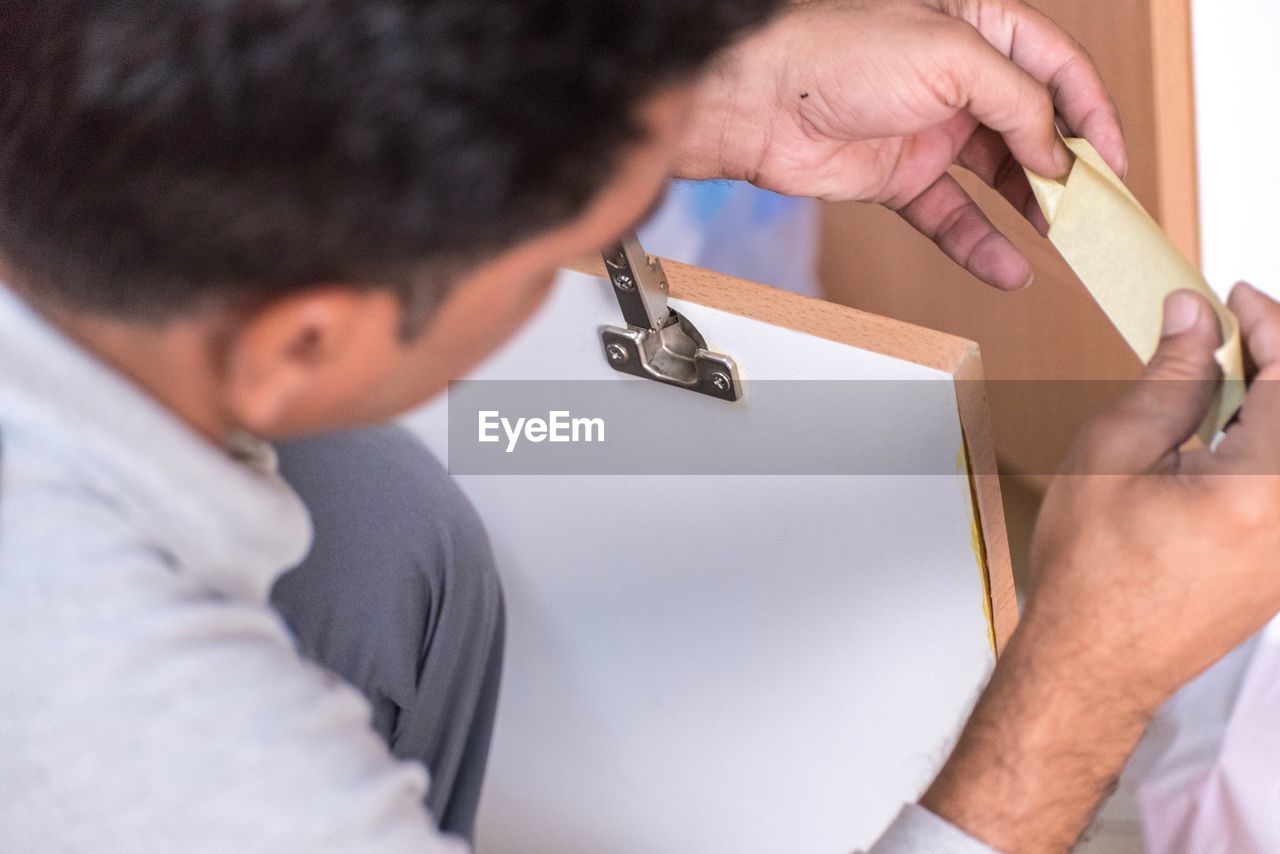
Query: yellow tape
point(1129, 266)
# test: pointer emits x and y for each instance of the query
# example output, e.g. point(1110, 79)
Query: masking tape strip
point(1129, 266)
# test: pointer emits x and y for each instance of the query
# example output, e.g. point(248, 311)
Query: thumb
point(1144, 429)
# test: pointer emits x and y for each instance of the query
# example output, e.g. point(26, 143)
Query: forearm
point(1042, 749)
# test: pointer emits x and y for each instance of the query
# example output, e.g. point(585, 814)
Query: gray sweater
point(150, 698)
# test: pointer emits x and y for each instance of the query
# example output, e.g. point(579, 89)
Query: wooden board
point(734, 662)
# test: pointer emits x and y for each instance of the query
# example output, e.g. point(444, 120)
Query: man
point(228, 219)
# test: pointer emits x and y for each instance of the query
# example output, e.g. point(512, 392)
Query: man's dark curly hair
point(160, 154)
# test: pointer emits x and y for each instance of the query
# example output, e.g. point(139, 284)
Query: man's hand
point(874, 100)
point(1150, 563)
point(1188, 542)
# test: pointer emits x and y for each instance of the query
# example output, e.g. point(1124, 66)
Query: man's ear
point(290, 365)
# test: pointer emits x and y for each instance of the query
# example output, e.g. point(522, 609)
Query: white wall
point(1237, 70)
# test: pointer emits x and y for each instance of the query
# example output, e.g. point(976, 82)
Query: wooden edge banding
point(811, 316)
point(949, 353)
point(975, 421)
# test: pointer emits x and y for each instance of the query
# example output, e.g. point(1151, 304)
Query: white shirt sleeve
point(1206, 771)
point(918, 831)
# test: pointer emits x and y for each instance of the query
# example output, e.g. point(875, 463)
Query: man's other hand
point(1171, 556)
point(874, 100)
point(1150, 563)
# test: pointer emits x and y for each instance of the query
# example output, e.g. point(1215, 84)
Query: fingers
point(1259, 317)
point(946, 215)
point(1051, 56)
point(1251, 443)
point(1007, 99)
point(1144, 429)
point(986, 156)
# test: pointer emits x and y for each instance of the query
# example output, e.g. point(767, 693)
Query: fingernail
point(1031, 277)
point(1063, 157)
point(1181, 311)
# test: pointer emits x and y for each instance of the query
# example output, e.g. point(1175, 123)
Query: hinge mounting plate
point(658, 343)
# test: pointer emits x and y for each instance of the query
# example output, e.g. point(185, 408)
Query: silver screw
point(616, 353)
point(721, 381)
point(624, 282)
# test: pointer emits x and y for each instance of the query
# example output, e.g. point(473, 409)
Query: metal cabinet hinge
point(658, 343)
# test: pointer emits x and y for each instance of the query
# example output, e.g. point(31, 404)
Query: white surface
point(1237, 70)
point(746, 664)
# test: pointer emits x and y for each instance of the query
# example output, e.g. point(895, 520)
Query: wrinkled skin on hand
point(874, 101)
